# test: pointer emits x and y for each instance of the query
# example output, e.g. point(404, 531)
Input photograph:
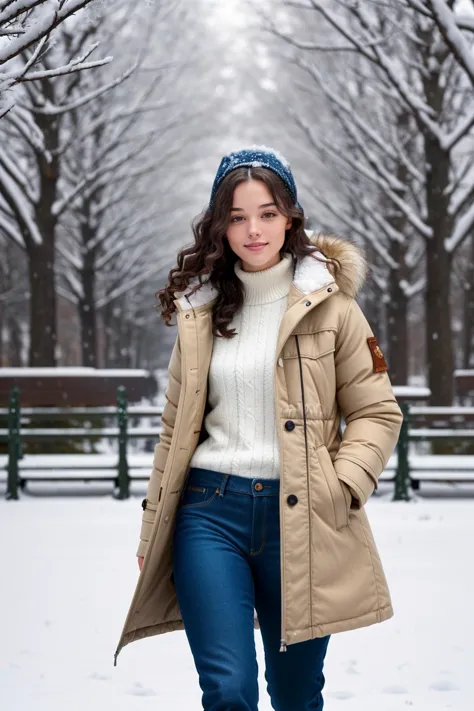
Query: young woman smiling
point(256, 498)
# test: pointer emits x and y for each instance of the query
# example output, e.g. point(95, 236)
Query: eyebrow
point(265, 204)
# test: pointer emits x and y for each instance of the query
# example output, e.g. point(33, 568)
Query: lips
point(257, 246)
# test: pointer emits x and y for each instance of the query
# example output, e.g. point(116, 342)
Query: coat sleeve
point(168, 419)
point(369, 407)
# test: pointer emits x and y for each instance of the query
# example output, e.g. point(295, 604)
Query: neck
point(266, 285)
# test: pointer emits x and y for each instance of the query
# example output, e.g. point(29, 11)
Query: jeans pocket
point(194, 496)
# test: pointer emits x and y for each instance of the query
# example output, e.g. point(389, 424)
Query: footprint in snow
point(443, 685)
point(351, 667)
point(140, 690)
point(341, 695)
point(99, 677)
point(395, 689)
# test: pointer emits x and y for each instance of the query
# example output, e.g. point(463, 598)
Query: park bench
point(423, 424)
point(407, 468)
point(117, 468)
point(53, 396)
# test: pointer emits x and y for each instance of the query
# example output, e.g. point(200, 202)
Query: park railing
point(16, 435)
point(450, 431)
point(406, 469)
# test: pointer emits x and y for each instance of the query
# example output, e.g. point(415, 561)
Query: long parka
point(327, 365)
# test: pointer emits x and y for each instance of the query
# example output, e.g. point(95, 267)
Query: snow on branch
point(360, 169)
point(52, 110)
point(28, 130)
point(463, 227)
point(135, 281)
point(446, 20)
point(76, 65)
point(424, 113)
point(46, 15)
point(335, 99)
point(104, 170)
point(14, 197)
point(35, 21)
point(357, 228)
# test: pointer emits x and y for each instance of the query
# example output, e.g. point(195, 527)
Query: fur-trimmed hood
point(309, 274)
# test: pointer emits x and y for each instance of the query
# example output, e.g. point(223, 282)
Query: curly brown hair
point(212, 255)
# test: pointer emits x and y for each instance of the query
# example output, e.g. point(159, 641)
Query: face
point(254, 218)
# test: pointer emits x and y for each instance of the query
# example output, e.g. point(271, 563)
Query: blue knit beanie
point(256, 157)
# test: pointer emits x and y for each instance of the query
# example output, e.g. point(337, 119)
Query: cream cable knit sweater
point(241, 424)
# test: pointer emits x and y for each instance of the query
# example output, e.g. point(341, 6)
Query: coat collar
point(309, 274)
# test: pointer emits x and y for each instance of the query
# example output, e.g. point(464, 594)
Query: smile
point(256, 248)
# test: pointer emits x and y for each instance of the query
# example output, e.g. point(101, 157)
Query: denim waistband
point(232, 482)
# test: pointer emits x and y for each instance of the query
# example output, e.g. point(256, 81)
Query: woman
point(256, 498)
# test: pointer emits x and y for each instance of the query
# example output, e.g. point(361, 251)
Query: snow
point(265, 149)
point(411, 392)
point(422, 432)
point(463, 227)
point(454, 37)
point(73, 372)
point(466, 411)
point(51, 432)
point(71, 573)
point(45, 18)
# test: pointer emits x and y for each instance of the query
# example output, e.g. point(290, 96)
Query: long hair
point(211, 255)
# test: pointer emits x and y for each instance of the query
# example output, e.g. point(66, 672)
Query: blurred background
point(108, 155)
point(113, 119)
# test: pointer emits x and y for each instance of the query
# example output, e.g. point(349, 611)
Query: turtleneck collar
point(266, 285)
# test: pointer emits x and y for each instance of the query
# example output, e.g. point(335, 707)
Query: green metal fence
point(123, 433)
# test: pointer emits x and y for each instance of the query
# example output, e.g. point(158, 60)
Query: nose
point(254, 228)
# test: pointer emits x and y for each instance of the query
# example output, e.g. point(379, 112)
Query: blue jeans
point(226, 560)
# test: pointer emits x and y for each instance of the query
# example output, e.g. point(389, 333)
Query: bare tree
point(29, 24)
point(418, 57)
point(119, 154)
point(30, 185)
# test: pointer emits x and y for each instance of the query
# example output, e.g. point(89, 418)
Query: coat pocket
point(339, 500)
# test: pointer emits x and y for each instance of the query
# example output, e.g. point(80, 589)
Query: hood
point(309, 274)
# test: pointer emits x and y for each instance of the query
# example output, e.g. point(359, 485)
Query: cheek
point(234, 236)
point(277, 228)
point(232, 232)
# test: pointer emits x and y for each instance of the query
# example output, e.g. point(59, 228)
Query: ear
point(289, 222)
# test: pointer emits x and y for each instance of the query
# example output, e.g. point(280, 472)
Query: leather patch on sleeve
point(380, 364)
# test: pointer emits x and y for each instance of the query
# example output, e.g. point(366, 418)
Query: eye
point(237, 217)
point(272, 214)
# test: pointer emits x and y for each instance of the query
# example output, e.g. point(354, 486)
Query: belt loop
point(222, 488)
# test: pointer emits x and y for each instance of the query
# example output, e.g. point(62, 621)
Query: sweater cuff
point(357, 479)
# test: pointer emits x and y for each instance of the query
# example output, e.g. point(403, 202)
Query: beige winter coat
point(331, 574)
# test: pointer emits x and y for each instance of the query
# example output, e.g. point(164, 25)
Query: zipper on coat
point(307, 479)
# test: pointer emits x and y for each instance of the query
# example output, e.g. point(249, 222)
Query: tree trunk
point(14, 343)
point(3, 356)
point(397, 308)
point(397, 331)
point(87, 314)
point(41, 257)
point(439, 337)
point(43, 329)
point(468, 308)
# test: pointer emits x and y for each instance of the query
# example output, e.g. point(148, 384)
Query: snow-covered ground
point(69, 571)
